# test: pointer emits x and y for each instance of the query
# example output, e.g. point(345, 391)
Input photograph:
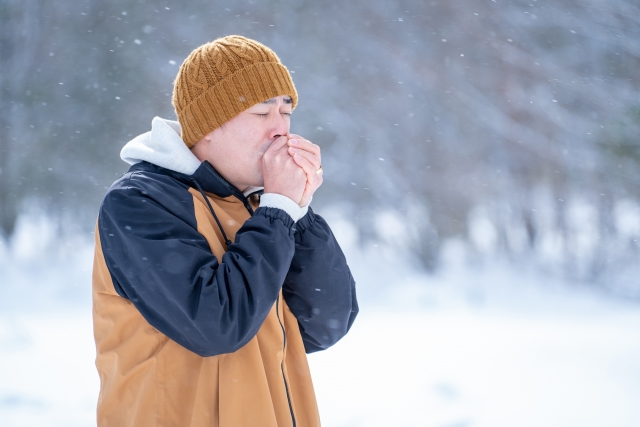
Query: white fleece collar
point(163, 146)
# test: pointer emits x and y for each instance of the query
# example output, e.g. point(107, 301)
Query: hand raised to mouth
point(282, 175)
point(306, 155)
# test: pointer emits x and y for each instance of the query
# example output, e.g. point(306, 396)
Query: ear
point(202, 142)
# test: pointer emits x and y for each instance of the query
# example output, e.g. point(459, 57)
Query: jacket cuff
point(276, 213)
point(306, 221)
point(274, 200)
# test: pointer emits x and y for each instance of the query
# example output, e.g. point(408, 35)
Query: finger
point(308, 167)
point(303, 144)
point(313, 159)
point(278, 144)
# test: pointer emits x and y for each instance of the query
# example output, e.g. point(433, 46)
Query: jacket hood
point(163, 146)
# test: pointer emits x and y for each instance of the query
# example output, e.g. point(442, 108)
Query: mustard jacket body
point(205, 304)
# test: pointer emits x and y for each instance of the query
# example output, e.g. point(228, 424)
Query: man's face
point(235, 149)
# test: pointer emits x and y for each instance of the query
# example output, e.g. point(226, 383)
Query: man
point(209, 290)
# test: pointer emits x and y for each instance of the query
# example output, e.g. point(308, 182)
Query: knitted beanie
point(222, 78)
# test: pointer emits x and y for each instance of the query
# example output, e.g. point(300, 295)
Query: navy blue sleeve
point(164, 266)
point(319, 288)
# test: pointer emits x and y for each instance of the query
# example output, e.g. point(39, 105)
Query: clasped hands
point(290, 166)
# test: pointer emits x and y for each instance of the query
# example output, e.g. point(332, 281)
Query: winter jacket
point(206, 300)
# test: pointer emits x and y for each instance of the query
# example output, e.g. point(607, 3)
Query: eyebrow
point(287, 100)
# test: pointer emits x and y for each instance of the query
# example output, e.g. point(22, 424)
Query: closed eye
point(266, 114)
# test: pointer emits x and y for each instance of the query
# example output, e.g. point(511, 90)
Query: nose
point(278, 126)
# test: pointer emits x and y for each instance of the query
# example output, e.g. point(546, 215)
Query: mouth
point(264, 147)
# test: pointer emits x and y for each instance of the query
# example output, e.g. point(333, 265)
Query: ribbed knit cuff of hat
point(231, 96)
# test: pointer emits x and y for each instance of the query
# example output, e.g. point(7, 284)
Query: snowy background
point(469, 346)
point(482, 173)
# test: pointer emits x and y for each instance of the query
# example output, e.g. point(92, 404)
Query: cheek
point(249, 157)
point(247, 146)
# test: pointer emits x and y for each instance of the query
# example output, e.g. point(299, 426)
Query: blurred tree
point(511, 110)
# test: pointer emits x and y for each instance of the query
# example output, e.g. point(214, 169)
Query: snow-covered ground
point(488, 346)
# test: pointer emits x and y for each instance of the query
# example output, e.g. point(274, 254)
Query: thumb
point(278, 144)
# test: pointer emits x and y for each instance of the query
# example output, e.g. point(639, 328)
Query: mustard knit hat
point(222, 78)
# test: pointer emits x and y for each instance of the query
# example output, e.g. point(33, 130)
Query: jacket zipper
point(247, 205)
point(284, 345)
point(233, 190)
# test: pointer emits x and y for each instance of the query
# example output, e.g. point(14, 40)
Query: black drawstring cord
point(206, 199)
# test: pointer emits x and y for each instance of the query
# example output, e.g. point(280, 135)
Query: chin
point(255, 182)
point(258, 179)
